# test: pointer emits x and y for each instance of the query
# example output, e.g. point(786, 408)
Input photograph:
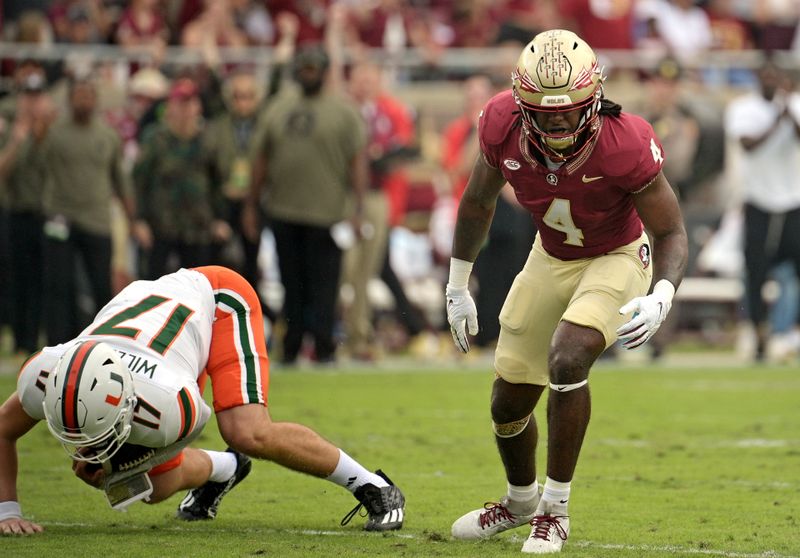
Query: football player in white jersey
point(125, 399)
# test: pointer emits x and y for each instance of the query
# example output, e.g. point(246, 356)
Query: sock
point(556, 493)
point(223, 465)
point(350, 474)
point(523, 493)
point(518, 496)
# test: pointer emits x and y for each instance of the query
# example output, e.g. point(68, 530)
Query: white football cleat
point(493, 518)
point(548, 534)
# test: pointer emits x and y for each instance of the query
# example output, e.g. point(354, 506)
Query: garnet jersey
point(585, 207)
point(162, 332)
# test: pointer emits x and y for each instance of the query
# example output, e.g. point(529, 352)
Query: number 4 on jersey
point(559, 217)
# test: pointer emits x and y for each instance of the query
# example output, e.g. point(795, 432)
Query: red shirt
point(585, 208)
point(602, 24)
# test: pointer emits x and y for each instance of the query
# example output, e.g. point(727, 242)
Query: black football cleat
point(202, 502)
point(385, 506)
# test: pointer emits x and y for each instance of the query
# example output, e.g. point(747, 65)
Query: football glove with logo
point(648, 314)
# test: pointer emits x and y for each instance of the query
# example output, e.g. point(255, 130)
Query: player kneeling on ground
point(125, 400)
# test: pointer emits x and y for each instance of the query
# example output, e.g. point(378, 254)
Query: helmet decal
point(89, 401)
point(69, 397)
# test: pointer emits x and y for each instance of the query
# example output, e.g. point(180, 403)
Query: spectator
point(25, 175)
point(311, 16)
point(390, 133)
point(684, 27)
point(604, 25)
point(216, 25)
point(765, 125)
point(511, 233)
point(673, 122)
point(230, 140)
point(180, 210)
point(253, 18)
point(311, 160)
point(142, 26)
point(80, 21)
point(85, 159)
point(775, 23)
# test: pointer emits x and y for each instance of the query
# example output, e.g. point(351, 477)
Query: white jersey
point(162, 332)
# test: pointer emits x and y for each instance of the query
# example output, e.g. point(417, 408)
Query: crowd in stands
point(113, 171)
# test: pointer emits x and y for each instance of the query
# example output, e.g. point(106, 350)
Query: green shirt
point(27, 178)
point(86, 166)
point(309, 145)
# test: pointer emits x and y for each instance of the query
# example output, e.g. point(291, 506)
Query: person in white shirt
point(766, 125)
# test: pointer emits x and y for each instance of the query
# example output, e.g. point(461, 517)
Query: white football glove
point(648, 314)
point(460, 311)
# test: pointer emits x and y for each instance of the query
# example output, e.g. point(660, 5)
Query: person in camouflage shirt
point(180, 206)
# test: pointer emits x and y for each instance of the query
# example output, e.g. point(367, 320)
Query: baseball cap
point(148, 82)
point(183, 89)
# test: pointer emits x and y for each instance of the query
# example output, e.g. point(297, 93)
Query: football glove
point(648, 314)
point(461, 311)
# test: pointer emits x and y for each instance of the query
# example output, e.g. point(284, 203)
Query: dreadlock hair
point(609, 108)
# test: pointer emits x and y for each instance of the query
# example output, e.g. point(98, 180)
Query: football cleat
point(385, 506)
point(202, 502)
point(548, 534)
point(493, 518)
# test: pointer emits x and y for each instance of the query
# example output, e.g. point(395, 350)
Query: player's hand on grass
point(462, 316)
point(19, 526)
point(648, 314)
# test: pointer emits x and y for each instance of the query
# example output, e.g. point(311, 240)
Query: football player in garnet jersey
point(125, 399)
point(591, 177)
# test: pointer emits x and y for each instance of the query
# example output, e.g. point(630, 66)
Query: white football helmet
point(89, 402)
point(558, 72)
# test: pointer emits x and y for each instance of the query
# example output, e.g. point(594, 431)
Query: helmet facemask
point(561, 146)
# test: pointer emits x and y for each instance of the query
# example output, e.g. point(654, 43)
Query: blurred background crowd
point(131, 131)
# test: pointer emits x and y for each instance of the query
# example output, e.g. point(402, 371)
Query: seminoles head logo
point(644, 255)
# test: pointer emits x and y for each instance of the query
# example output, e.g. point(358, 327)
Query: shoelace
point(495, 513)
point(351, 514)
point(374, 501)
point(541, 527)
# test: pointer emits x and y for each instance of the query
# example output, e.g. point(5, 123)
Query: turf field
point(677, 462)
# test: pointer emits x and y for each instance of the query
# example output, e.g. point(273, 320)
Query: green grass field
point(677, 462)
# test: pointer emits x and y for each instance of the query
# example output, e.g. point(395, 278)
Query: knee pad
point(561, 388)
point(510, 429)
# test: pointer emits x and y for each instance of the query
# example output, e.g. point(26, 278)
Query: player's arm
point(475, 213)
point(476, 209)
point(660, 212)
point(14, 423)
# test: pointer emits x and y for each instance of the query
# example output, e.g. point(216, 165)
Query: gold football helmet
point(558, 72)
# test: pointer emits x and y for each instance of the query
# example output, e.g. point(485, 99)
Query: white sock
point(556, 493)
point(223, 465)
point(523, 493)
point(350, 474)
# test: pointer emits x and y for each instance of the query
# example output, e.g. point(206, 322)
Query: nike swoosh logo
point(561, 388)
point(563, 501)
point(587, 179)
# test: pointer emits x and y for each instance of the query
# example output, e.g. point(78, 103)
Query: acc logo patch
point(644, 255)
point(512, 164)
